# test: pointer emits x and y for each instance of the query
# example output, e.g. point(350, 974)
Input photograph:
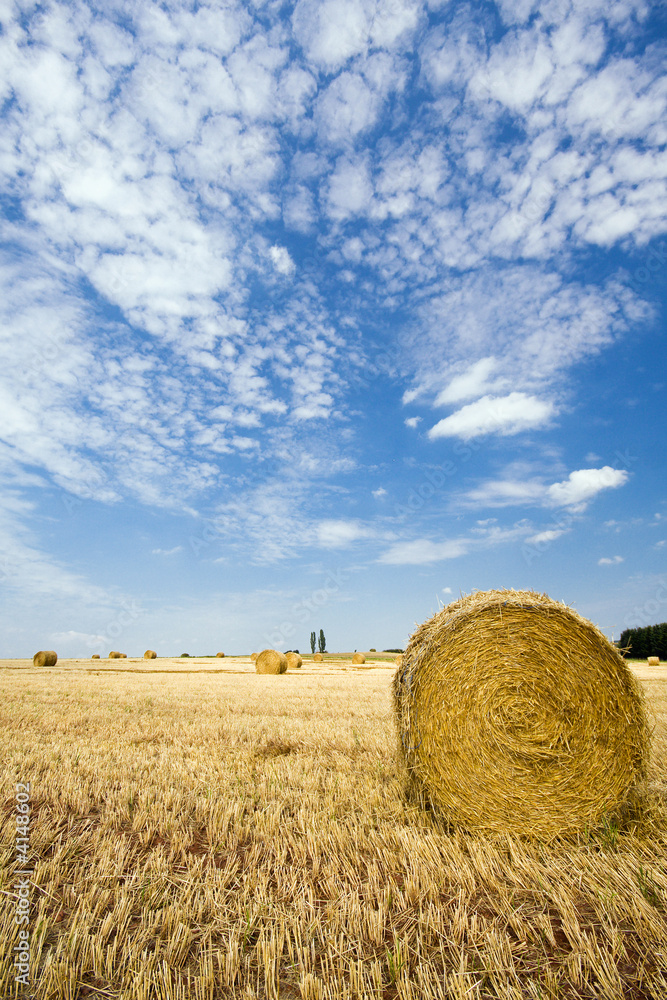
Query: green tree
point(313, 642)
point(322, 642)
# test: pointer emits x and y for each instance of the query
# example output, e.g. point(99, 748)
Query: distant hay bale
point(358, 658)
point(123, 656)
point(45, 658)
point(398, 661)
point(293, 660)
point(514, 713)
point(114, 655)
point(653, 661)
point(317, 658)
point(221, 655)
point(95, 656)
point(253, 656)
point(270, 661)
point(150, 654)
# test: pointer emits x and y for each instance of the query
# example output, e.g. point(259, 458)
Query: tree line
point(638, 643)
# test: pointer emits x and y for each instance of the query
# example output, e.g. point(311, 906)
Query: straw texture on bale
point(293, 660)
point(653, 661)
point(317, 658)
point(358, 658)
point(253, 656)
point(270, 661)
point(45, 658)
point(516, 714)
point(220, 655)
point(150, 654)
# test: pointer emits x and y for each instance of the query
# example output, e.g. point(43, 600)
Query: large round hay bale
point(270, 661)
point(95, 656)
point(317, 658)
point(253, 656)
point(114, 655)
point(45, 658)
point(293, 660)
point(221, 655)
point(150, 654)
point(653, 661)
point(516, 714)
point(358, 658)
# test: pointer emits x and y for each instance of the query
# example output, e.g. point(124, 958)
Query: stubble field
point(201, 831)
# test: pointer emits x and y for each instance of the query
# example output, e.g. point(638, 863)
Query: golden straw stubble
point(514, 713)
point(45, 658)
point(270, 661)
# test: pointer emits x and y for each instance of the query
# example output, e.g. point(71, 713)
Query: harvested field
point(194, 839)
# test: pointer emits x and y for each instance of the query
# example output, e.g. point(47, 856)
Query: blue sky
point(316, 315)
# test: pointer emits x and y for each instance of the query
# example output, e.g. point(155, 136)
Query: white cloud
point(338, 534)
point(582, 485)
point(412, 421)
point(470, 383)
point(549, 535)
point(346, 108)
point(503, 415)
point(610, 562)
point(282, 261)
point(349, 190)
point(381, 492)
point(422, 551)
point(167, 552)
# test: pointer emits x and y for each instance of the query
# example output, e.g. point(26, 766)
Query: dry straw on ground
point(653, 661)
point(270, 661)
point(317, 658)
point(515, 713)
point(150, 654)
point(358, 658)
point(45, 658)
point(293, 660)
point(221, 655)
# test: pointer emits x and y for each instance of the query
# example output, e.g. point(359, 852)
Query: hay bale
point(45, 658)
point(150, 654)
point(270, 661)
point(398, 661)
point(653, 661)
point(358, 658)
point(253, 656)
point(123, 656)
point(293, 660)
point(317, 658)
point(95, 656)
point(221, 655)
point(114, 655)
point(514, 713)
